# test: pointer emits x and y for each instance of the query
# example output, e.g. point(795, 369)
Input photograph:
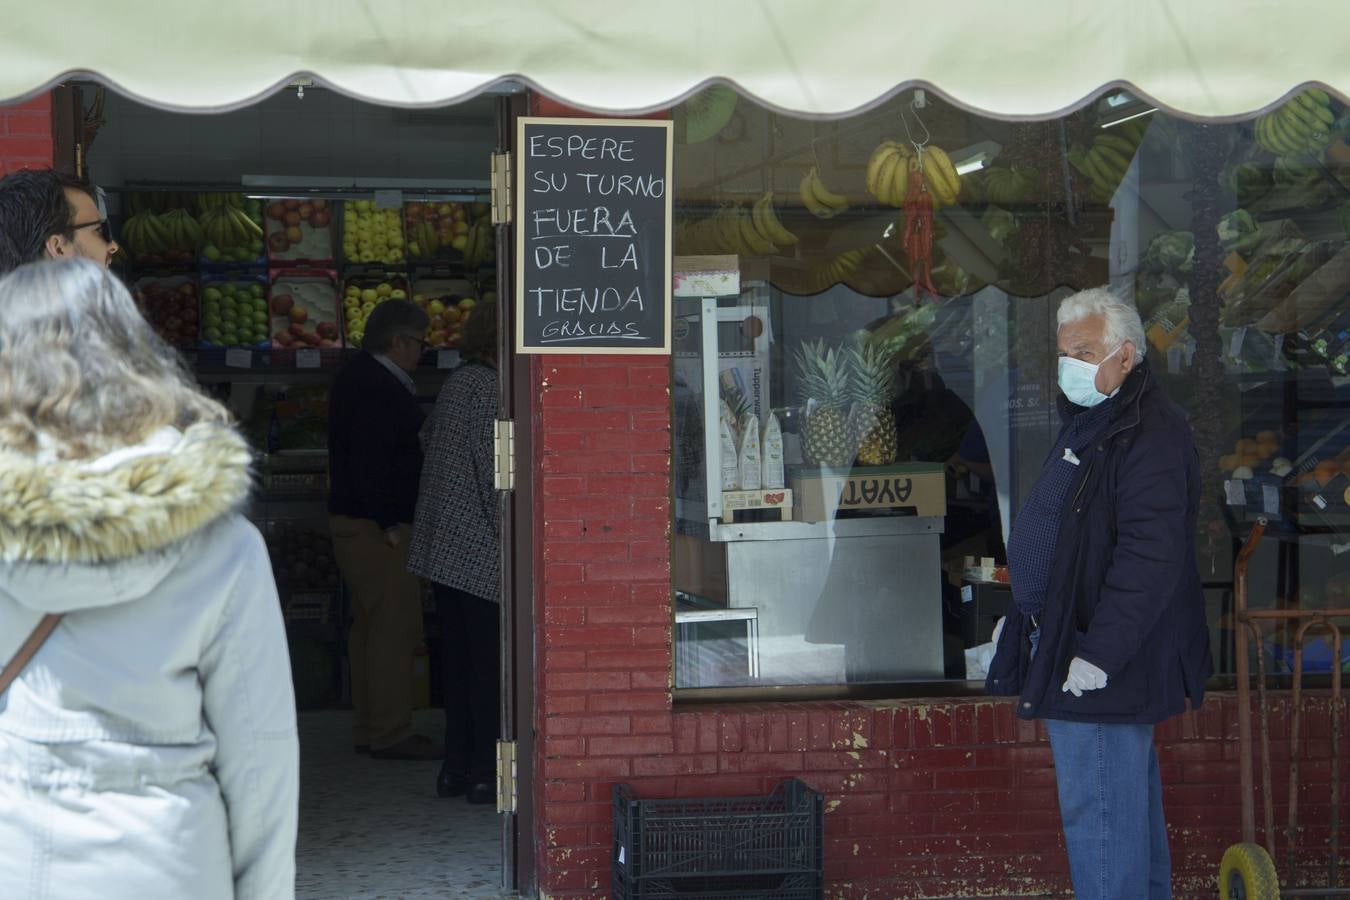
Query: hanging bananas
point(1105, 163)
point(838, 269)
point(1301, 125)
point(820, 200)
point(148, 234)
point(756, 231)
point(892, 164)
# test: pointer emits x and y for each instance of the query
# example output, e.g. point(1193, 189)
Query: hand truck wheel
point(1247, 873)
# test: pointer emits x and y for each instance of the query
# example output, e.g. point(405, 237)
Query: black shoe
point(481, 792)
point(450, 784)
point(414, 747)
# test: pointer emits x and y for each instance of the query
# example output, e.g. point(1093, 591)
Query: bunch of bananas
point(820, 200)
point(1302, 125)
point(174, 234)
point(838, 269)
point(227, 226)
point(734, 229)
point(1008, 186)
point(216, 199)
point(1106, 161)
point(480, 245)
point(893, 164)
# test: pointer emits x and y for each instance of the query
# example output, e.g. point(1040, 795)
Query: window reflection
point(874, 299)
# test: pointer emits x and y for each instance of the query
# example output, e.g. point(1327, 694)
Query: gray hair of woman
point(1121, 319)
point(479, 337)
point(81, 371)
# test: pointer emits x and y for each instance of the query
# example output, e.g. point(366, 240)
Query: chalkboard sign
point(593, 236)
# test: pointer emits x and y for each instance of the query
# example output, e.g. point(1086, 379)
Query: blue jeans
point(1110, 799)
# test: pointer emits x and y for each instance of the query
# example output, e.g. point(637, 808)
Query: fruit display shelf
point(171, 303)
point(299, 231)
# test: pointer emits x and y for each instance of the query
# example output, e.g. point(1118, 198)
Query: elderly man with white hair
point(1107, 636)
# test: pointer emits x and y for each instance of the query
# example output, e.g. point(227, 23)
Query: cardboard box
point(913, 489)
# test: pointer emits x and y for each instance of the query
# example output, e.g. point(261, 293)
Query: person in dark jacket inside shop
point(456, 545)
point(375, 462)
point(47, 215)
point(1107, 636)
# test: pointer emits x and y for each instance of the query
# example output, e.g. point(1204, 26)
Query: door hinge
point(506, 776)
point(501, 188)
point(504, 455)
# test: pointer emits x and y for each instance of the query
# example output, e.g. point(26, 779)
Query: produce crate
point(171, 303)
point(438, 230)
point(160, 230)
point(363, 291)
point(299, 231)
point(231, 231)
point(722, 847)
point(234, 311)
point(305, 314)
point(372, 235)
point(449, 303)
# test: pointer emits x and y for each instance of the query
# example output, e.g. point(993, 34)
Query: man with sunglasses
point(47, 215)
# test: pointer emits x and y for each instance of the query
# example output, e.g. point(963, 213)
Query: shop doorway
point(367, 827)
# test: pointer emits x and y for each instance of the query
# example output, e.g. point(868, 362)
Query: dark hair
point(391, 319)
point(33, 207)
point(480, 333)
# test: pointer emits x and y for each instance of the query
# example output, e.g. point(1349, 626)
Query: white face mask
point(1078, 379)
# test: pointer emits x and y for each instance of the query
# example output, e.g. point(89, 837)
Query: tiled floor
point(376, 829)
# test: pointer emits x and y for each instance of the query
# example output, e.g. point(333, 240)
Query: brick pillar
point(604, 642)
point(26, 134)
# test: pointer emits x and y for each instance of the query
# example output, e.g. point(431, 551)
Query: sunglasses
point(104, 229)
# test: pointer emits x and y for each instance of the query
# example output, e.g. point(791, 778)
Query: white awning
point(1011, 58)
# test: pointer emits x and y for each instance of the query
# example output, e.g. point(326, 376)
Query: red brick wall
point(936, 799)
point(26, 134)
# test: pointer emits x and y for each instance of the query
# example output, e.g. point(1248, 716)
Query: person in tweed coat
point(456, 546)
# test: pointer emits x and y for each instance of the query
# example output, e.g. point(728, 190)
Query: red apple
point(320, 204)
point(292, 217)
point(276, 210)
point(299, 314)
point(306, 210)
point(283, 338)
point(326, 330)
point(320, 219)
point(282, 304)
point(291, 203)
point(277, 242)
point(328, 344)
point(297, 330)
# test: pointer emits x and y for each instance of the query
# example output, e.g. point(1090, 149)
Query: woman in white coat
point(149, 748)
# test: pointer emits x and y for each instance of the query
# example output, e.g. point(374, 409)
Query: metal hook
point(927, 135)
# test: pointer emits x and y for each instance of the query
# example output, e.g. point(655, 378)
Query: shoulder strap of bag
point(29, 649)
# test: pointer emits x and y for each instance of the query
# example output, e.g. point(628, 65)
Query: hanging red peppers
point(917, 236)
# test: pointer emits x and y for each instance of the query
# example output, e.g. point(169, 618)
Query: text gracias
point(587, 222)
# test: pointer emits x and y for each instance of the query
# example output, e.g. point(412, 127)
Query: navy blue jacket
point(1124, 591)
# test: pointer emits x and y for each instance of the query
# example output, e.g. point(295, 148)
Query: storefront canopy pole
point(1006, 58)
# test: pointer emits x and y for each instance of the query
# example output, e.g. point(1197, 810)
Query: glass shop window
point(864, 364)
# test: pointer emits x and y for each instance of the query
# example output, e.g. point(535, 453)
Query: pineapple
point(823, 382)
point(872, 391)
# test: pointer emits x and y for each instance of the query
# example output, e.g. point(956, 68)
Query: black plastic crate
point(720, 847)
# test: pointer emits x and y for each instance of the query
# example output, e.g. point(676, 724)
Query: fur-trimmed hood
point(85, 533)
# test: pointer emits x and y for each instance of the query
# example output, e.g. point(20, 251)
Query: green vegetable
point(1171, 250)
point(1238, 231)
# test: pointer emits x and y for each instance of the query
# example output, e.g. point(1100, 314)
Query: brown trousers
point(386, 628)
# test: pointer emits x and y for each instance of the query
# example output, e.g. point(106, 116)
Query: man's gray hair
point(391, 319)
point(1121, 318)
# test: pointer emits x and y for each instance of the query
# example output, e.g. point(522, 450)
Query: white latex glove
point(1083, 676)
point(998, 629)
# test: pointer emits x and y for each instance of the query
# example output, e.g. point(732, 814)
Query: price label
point(388, 199)
point(239, 358)
point(307, 358)
point(1235, 493)
point(1319, 501)
point(447, 359)
point(1270, 499)
point(967, 594)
